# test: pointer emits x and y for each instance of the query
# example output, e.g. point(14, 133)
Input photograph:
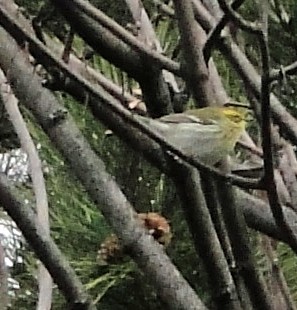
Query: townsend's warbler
point(208, 134)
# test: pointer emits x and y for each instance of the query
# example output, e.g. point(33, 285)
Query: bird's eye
point(236, 118)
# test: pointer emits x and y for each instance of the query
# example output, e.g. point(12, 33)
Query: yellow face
point(236, 115)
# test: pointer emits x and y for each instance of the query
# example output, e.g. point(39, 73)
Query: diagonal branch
point(206, 239)
point(121, 33)
point(269, 179)
point(62, 130)
point(216, 31)
point(196, 74)
point(237, 19)
point(83, 17)
point(146, 34)
point(240, 243)
point(112, 106)
point(11, 106)
point(44, 247)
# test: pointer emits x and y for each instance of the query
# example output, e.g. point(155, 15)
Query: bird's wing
point(184, 118)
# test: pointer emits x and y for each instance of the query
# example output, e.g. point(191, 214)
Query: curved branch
point(248, 73)
point(11, 106)
point(216, 31)
point(237, 18)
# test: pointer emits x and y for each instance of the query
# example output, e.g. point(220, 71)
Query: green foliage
point(287, 263)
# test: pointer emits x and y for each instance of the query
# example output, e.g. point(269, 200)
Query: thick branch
point(146, 34)
point(87, 21)
point(120, 32)
point(60, 127)
point(239, 238)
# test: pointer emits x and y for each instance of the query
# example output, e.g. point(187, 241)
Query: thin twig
point(237, 19)
point(215, 33)
point(68, 45)
point(269, 179)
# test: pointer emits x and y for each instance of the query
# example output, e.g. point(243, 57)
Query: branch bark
point(11, 106)
point(206, 240)
point(44, 247)
point(196, 71)
point(150, 257)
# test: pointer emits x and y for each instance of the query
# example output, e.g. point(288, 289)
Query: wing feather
point(184, 118)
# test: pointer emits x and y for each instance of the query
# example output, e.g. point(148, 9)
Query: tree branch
point(150, 78)
point(215, 33)
point(44, 247)
point(248, 73)
point(282, 72)
point(112, 106)
point(146, 34)
point(238, 235)
point(237, 18)
point(11, 106)
point(62, 130)
point(206, 240)
point(269, 179)
point(121, 33)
